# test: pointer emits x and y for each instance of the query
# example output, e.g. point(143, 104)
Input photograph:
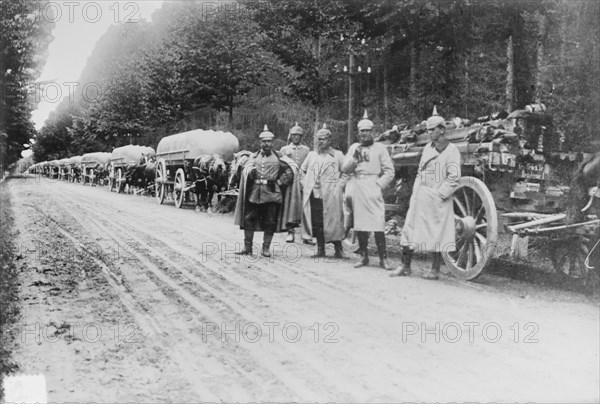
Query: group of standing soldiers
point(326, 194)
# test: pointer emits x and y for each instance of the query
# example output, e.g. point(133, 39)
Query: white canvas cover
point(199, 142)
point(130, 154)
point(95, 158)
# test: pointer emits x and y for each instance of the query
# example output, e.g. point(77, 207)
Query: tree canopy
point(242, 64)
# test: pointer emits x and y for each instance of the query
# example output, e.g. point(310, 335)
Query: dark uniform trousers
point(316, 218)
point(262, 215)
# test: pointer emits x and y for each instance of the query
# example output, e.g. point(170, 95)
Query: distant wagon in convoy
point(63, 168)
point(74, 169)
point(93, 167)
point(53, 168)
point(197, 160)
point(128, 165)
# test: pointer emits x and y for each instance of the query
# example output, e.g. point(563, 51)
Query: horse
point(237, 165)
point(142, 174)
point(209, 174)
point(582, 200)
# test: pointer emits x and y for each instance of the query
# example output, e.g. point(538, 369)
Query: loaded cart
point(515, 178)
point(177, 154)
point(74, 169)
point(93, 166)
point(123, 163)
point(63, 168)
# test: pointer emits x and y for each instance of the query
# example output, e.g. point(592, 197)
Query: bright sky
point(79, 24)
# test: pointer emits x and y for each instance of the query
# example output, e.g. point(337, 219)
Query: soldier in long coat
point(322, 197)
point(372, 171)
point(297, 152)
point(429, 225)
point(269, 195)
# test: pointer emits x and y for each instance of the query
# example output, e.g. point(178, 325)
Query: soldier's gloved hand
point(252, 174)
point(358, 154)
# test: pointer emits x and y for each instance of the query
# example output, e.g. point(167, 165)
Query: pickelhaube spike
point(266, 134)
point(365, 123)
point(324, 131)
point(296, 130)
point(434, 113)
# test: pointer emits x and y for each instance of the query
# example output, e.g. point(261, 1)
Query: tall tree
point(24, 39)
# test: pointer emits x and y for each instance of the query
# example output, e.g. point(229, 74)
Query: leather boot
point(320, 236)
point(267, 244)
point(404, 269)
point(380, 242)
point(339, 251)
point(434, 273)
point(363, 241)
point(248, 237)
point(290, 236)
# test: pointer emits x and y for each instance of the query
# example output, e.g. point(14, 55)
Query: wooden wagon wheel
point(178, 187)
point(120, 180)
point(159, 181)
point(476, 229)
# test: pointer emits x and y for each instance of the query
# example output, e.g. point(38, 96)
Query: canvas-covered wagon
point(125, 161)
point(74, 169)
point(53, 169)
point(94, 167)
point(63, 168)
point(177, 155)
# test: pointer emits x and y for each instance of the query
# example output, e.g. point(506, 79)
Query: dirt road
point(124, 300)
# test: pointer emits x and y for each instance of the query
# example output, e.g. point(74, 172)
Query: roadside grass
point(9, 307)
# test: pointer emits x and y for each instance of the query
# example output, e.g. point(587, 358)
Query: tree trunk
point(316, 126)
point(543, 21)
point(510, 75)
point(386, 99)
point(466, 87)
point(350, 100)
point(318, 103)
point(414, 69)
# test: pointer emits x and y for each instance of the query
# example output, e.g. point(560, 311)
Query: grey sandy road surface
point(126, 300)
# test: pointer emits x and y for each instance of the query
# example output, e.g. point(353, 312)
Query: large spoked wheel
point(120, 180)
point(476, 229)
point(159, 182)
point(178, 187)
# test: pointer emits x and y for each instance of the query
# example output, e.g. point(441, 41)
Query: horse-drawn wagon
point(63, 168)
point(93, 167)
point(74, 169)
point(53, 169)
point(516, 181)
point(125, 163)
point(193, 160)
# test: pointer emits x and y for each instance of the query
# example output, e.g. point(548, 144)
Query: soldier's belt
point(361, 176)
point(261, 182)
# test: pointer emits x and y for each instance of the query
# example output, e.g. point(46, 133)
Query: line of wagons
point(186, 167)
point(501, 165)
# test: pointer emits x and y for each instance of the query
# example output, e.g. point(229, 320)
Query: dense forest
point(239, 65)
point(24, 40)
